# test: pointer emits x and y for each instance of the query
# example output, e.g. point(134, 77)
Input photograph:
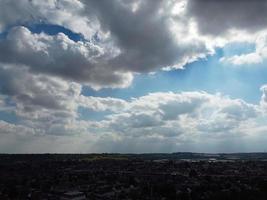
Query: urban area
point(177, 176)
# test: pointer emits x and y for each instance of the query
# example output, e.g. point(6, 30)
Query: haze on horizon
point(133, 76)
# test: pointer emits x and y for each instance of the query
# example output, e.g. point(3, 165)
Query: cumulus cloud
point(36, 91)
point(48, 104)
point(41, 75)
point(120, 41)
point(66, 13)
point(176, 119)
point(122, 38)
point(44, 104)
point(226, 22)
point(59, 56)
point(256, 57)
point(102, 104)
point(158, 113)
point(125, 37)
point(144, 36)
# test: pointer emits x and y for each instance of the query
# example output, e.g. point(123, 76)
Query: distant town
point(175, 176)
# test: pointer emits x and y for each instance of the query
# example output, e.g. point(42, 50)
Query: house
point(73, 195)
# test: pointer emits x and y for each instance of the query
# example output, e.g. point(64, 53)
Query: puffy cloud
point(256, 57)
point(67, 13)
point(180, 114)
point(251, 58)
point(41, 76)
point(44, 104)
point(50, 106)
point(60, 56)
point(102, 104)
point(34, 92)
point(120, 41)
point(126, 37)
point(122, 37)
point(144, 35)
point(176, 119)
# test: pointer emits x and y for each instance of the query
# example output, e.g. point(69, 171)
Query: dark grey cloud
point(33, 92)
point(120, 41)
point(216, 17)
point(39, 102)
point(59, 56)
point(124, 37)
point(144, 36)
point(41, 76)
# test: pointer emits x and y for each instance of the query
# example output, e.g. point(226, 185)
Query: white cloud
point(176, 119)
point(115, 48)
point(66, 13)
point(147, 123)
point(102, 104)
point(123, 38)
point(256, 57)
point(41, 76)
point(263, 101)
point(59, 56)
point(43, 104)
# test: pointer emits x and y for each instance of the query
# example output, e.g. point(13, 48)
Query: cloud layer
point(119, 41)
point(154, 122)
point(42, 75)
point(122, 38)
point(219, 17)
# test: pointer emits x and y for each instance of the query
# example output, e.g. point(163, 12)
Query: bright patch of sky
point(208, 75)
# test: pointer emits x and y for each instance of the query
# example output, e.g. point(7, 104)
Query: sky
point(133, 76)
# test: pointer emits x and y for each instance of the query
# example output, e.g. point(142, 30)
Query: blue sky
point(208, 74)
